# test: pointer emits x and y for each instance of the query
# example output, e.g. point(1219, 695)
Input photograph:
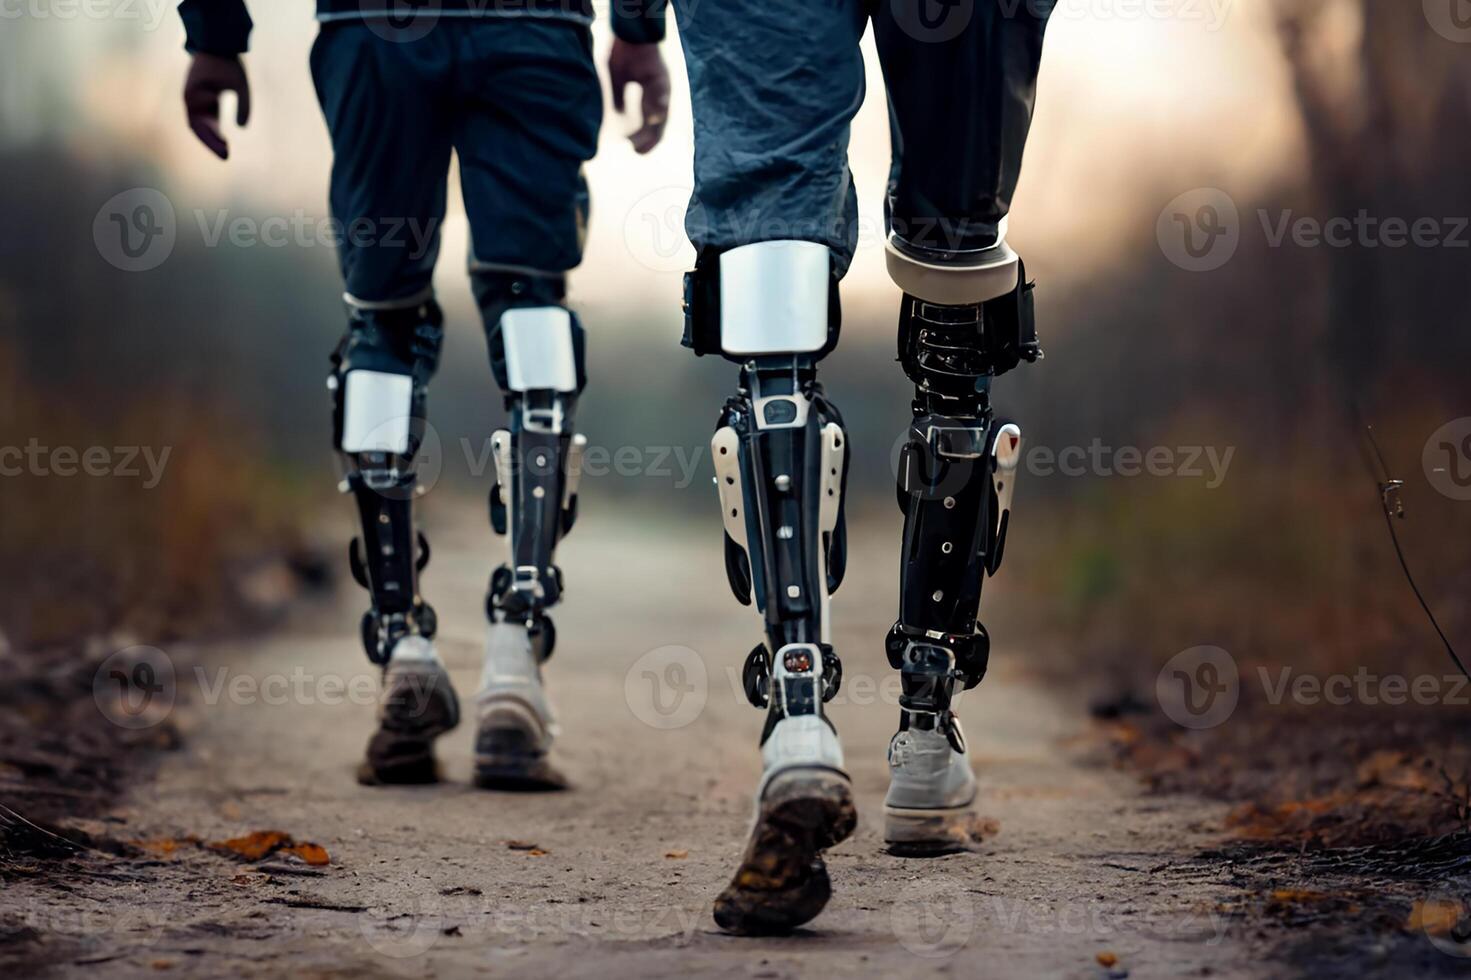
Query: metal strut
point(533, 504)
point(781, 463)
point(956, 475)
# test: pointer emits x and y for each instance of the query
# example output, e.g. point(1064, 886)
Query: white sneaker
point(804, 805)
point(514, 725)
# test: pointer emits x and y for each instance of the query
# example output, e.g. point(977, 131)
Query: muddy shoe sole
point(418, 707)
point(782, 881)
point(928, 833)
point(509, 754)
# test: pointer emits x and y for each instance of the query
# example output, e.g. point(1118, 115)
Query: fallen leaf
point(1434, 917)
point(253, 847)
point(1288, 896)
point(679, 855)
point(164, 846)
point(1106, 958)
point(521, 845)
point(537, 852)
point(313, 854)
point(162, 964)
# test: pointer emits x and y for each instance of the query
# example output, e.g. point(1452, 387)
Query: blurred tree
point(1386, 109)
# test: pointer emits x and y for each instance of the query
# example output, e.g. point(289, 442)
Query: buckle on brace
point(547, 421)
point(956, 441)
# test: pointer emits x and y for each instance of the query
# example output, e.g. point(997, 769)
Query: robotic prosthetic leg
point(780, 457)
point(380, 372)
point(956, 476)
point(538, 355)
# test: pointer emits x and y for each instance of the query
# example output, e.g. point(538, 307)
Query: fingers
point(203, 107)
point(619, 82)
point(207, 128)
point(242, 106)
point(656, 114)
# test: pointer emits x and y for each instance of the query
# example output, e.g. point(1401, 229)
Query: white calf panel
point(539, 351)
point(377, 410)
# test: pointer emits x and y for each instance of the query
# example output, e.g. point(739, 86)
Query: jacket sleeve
point(219, 27)
point(638, 21)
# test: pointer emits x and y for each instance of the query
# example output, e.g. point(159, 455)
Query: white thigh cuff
point(539, 350)
point(774, 298)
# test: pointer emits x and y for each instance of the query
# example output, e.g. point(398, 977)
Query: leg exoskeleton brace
point(537, 352)
point(781, 460)
point(955, 480)
point(380, 372)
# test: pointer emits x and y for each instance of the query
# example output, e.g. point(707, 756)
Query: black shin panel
point(784, 501)
point(387, 558)
point(534, 501)
point(954, 513)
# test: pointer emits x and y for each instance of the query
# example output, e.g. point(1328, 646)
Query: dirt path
point(422, 881)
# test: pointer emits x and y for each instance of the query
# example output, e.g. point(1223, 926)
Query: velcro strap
point(702, 309)
point(1011, 324)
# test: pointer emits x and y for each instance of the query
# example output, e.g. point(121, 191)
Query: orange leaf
point(313, 854)
point(253, 847)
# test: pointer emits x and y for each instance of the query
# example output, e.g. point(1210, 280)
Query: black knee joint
point(952, 352)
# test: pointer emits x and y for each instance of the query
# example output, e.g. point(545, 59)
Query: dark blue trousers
point(517, 100)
